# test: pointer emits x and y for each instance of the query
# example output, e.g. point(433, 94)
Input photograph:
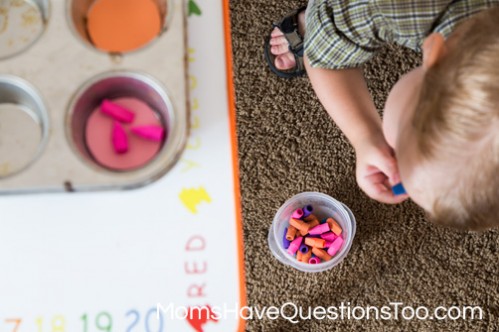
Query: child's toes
point(278, 40)
point(276, 33)
point(285, 61)
point(279, 49)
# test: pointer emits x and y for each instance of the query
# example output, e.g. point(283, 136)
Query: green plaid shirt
point(346, 33)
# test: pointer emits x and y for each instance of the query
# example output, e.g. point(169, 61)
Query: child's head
point(443, 121)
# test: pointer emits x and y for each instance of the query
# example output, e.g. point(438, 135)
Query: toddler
point(440, 132)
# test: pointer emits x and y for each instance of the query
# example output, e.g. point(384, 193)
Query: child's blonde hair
point(458, 115)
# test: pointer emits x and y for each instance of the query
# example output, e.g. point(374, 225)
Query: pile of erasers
point(119, 135)
point(309, 239)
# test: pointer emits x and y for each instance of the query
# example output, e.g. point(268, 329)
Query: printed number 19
point(103, 322)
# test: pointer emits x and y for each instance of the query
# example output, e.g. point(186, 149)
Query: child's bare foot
point(286, 45)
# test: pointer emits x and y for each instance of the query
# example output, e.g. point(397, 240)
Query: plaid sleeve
point(346, 33)
point(341, 39)
point(460, 10)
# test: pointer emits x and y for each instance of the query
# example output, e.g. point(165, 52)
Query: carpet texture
point(287, 145)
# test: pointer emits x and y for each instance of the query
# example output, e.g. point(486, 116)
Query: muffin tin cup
point(324, 207)
point(116, 85)
point(44, 6)
point(73, 78)
point(9, 46)
point(22, 97)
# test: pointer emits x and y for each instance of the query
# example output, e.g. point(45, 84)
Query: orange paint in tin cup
point(123, 25)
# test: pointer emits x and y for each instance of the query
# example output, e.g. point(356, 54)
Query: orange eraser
point(303, 232)
point(313, 223)
point(335, 227)
point(322, 254)
point(300, 225)
point(291, 233)
point(310, 218)
point(315, 242)
point(306, 257)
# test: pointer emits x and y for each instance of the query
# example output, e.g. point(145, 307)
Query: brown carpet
point(287, 145)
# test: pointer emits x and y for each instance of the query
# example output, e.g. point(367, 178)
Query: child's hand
point(377, 170)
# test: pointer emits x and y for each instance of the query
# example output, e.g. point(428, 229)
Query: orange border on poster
point(235, 163)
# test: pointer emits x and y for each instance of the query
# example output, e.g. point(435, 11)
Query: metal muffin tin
point(61, 78)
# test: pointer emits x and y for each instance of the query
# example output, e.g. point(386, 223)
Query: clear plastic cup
point(324, 206)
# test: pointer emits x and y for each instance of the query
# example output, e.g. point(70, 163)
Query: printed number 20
point(149, 314)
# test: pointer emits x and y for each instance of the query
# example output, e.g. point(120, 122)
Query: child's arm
point(345, 96)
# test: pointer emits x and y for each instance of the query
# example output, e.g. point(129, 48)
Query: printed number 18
point(58, 324)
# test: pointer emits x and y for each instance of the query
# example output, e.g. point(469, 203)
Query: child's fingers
point(376, 187)
point(385, 195)
point(388, 165)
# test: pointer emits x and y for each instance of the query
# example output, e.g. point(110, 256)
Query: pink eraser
point(314, 260)
point(294, 245)
point(329, 236)
point(297, 214)
point(328, 244)
point(117, 112)
point(120, 140)
point(152, 133)
point(335, 246)
point(319, 229)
